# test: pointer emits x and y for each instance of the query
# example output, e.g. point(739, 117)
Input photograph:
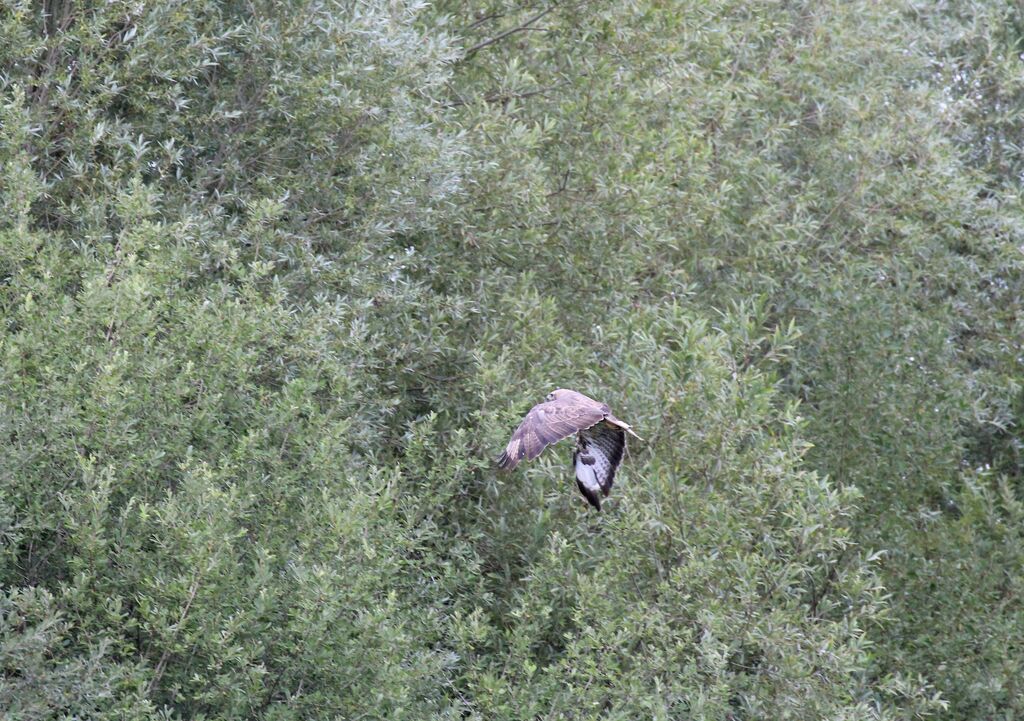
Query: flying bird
point(600, 439)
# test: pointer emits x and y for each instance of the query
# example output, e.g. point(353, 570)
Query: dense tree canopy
point(278, 279)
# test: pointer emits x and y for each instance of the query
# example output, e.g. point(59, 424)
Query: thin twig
point(484, 19)
point(501, 36)
point(162, 663)
point(112, 271)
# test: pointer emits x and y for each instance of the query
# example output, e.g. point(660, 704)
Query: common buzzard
point(600, 439)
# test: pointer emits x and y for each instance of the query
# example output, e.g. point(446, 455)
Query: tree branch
point(501, 36)
point(162, 663)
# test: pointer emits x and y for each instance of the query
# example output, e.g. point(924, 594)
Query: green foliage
point(42, 680)
point(278, 279)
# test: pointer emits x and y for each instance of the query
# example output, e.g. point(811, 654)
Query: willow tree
point(279, 278)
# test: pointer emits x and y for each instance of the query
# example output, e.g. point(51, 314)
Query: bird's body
point(600, 439)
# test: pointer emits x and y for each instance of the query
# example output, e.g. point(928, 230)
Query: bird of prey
point(600, 439)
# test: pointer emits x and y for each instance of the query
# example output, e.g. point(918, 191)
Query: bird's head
point(556, 394)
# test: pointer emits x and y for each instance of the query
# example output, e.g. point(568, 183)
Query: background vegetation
point(278, 279)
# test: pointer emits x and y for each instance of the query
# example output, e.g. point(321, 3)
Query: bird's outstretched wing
point(598, 453)
point(548, 423)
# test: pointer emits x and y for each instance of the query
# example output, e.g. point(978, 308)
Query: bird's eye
point(551, 397)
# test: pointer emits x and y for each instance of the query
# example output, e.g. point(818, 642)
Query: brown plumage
point(600, 439)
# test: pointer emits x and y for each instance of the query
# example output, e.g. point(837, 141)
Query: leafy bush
point(278, 279)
